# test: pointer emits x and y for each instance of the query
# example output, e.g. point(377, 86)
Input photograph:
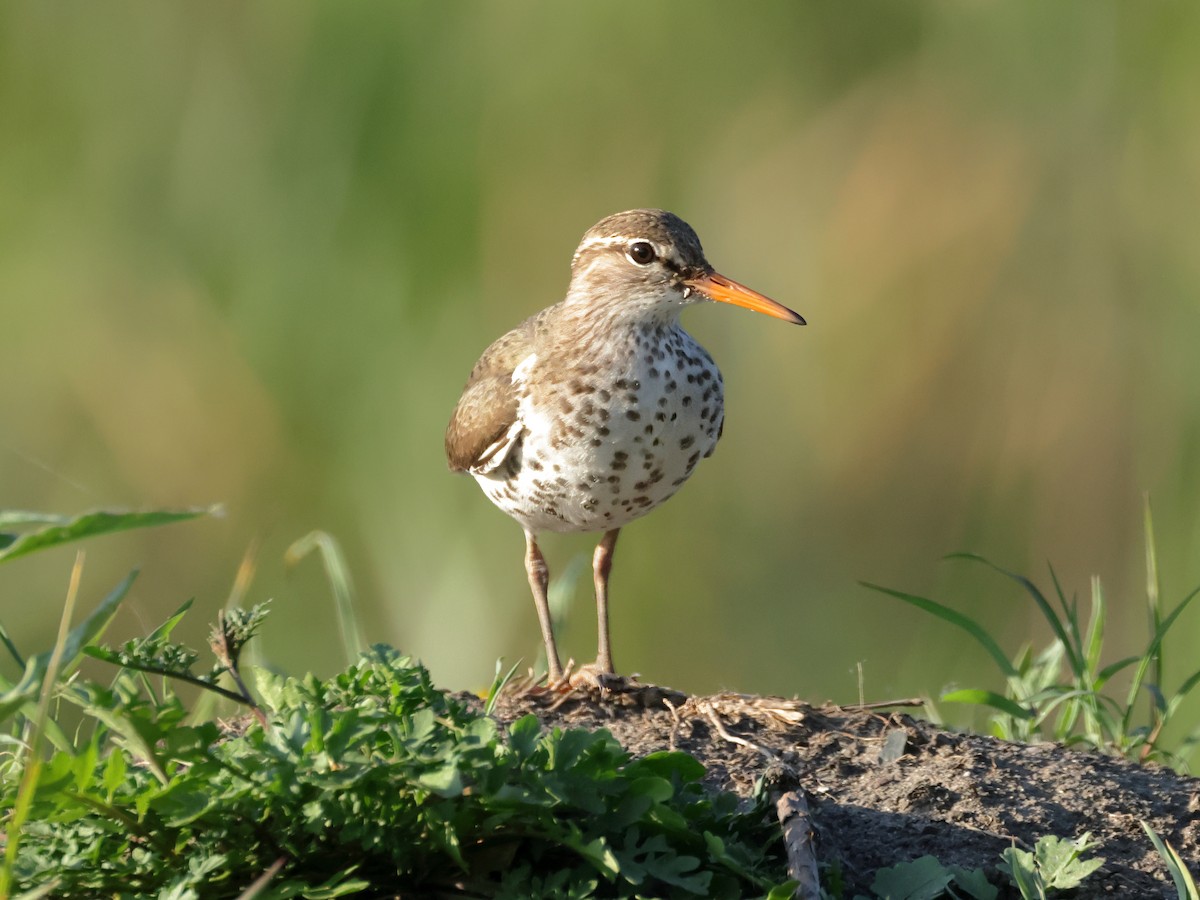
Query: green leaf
point(1060, 861)
point(57, 530)
point(668, 764)
point(974, 883)
point(921, 879)
point(989, 698)
point(1020, 866)
point(445, 781)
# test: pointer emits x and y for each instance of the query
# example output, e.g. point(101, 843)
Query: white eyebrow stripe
point(602, 242)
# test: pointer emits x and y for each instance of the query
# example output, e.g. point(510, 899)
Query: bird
point(594, 411)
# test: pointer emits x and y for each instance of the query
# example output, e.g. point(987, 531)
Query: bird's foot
point(597, 678)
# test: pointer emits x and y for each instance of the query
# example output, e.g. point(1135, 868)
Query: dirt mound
point(884, 788)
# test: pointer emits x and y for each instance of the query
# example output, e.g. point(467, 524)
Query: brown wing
point(487, 408)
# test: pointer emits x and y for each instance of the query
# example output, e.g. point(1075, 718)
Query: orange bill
point(717, 287)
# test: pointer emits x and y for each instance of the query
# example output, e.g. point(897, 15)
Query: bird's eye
point(641, 253)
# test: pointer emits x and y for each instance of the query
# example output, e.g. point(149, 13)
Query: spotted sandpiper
point(594, 411)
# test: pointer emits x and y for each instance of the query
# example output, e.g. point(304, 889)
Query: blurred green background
point(250, 252)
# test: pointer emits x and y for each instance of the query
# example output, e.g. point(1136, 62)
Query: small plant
point(1056, 864)
point(1060, 694)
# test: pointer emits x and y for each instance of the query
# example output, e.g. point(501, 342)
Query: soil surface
point(884, 788)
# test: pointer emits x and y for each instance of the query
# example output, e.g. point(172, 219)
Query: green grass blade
point(164, 630)
point(1043, 604)
point(56, 530)
point(338, 574)
point(946, 614)
point(1112, 669)
point(498, 683)
point(1096, 622)
point(1184, 689)
point(11, 647)
point(989, 698)
point(1070, 611)
point(1185, 885)
point(1152, 582)
point(33, 760)
point(1152, 653)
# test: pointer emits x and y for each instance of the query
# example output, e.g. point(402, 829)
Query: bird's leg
point(601, 566)
point(539, 580)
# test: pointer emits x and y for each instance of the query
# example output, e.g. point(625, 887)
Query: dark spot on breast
point(533, 464)
point(620, 384)
point(614, 479)
point(660, 417)
point(653, 370)
point(604, 395)
point(602, 431)
point(596, 442)
point(566, 406)
point(662, 401)
point(603, 414)
point(692, 460)
point(671, 385)
point(579, 386)
point(649, 429)
point(633, 415)
point(687, 442)
point(691, 379)
point(687, 400)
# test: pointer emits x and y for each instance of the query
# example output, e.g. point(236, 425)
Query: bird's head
point(649, 262)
